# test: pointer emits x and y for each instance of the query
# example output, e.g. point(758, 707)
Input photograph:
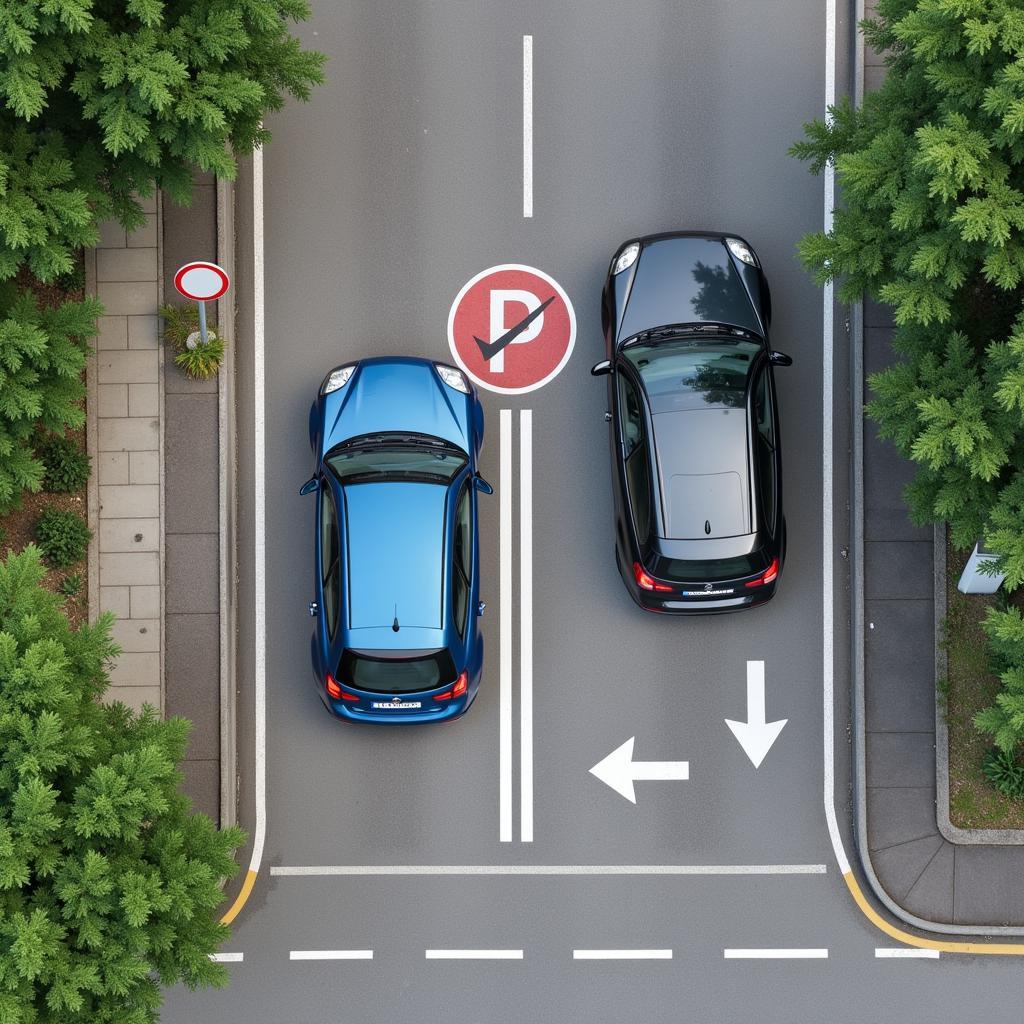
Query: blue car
point(397, 584)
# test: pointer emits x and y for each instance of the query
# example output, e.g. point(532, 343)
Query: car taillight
point(647, 582)
point(770, 574)
point(334, 690)
point(457, 690)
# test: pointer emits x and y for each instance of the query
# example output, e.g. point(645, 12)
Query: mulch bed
point(18, 526)
point(973, 802)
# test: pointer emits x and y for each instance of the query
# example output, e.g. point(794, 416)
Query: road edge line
point(260, 552)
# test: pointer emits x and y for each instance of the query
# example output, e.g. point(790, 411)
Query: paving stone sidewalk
point(155, 560)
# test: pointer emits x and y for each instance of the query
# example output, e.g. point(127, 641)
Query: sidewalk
point(157, 496)
point(922, 876)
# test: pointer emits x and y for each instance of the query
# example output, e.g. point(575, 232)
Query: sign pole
point(202, 320)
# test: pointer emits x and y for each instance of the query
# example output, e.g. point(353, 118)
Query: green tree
point(931, 171)
point(100, 99)
point(109, 885)
point(42, 358)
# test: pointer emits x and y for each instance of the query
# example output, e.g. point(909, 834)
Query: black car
point(696, 462)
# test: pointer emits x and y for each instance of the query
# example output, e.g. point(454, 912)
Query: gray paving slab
point(899, 666)
point(932, 895)
point(899, 867)
point(900, 759)
point(192, 689)
point(898, 815)
point(989, 885)
point(191, 464)
point(893, 524)
point(877, 314)
point(878, 353)
point(897, 569)
point(202, 785)
point(191, 573)
point(177, 382)
point(886, 472)
point(190, 233)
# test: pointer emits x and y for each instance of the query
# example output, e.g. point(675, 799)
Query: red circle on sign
point(511, 328)
point(201, 281)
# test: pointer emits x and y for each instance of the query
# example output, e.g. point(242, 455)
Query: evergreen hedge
point(100, 99)
point(109, 885)
point(931, 171)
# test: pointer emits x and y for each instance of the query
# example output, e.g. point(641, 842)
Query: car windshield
point(411, 672)
point(693, 373)
point(409, 457)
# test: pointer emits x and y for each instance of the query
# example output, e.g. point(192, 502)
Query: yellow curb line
point(243, 895)
point(989, 948)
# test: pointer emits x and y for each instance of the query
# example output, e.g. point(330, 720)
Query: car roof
point(395, 536)
point(703, 472)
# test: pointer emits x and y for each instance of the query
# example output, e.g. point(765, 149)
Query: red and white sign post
point(202, 282)
point(511, 328)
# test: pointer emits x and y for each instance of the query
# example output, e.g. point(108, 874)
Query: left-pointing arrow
point(620, 771)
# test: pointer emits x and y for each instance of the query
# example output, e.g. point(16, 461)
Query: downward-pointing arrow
point(756, 736)
point(620, 771)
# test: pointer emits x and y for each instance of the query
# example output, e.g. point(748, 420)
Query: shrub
point(66, 465)
point(42, 358)
point(110, 883)
point(931, 170)
point(1004, 772)
point(71, 585)
point(1004, 720)
point(203, 361)
point(63, 536)
point(101, 101)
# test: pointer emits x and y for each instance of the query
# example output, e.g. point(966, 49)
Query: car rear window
point(712, 569)
point(410, 672)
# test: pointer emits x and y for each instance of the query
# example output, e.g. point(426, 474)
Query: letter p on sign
point(511, 328)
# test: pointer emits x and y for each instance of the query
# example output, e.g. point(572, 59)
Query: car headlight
point(452, 377)
point(626, 258)
point(337, 378)
point(741, 251)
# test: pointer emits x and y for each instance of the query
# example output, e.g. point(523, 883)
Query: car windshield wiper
point(671, 331)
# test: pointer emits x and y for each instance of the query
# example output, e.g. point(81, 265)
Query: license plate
point(706, 593)
point(396, 705)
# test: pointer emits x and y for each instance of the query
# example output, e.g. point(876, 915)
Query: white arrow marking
point(756, 736)
point(620, 771)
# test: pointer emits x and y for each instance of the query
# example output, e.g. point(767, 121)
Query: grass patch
point(968, 688)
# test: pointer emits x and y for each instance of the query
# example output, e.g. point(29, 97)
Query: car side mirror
point(780, 359)
point(482, 485)
point(309, 486)
point(601, 369)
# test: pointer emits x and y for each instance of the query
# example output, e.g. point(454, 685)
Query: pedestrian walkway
point(125, 440)
point(155, 496)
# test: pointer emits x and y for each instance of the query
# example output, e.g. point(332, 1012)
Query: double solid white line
point(505, 702)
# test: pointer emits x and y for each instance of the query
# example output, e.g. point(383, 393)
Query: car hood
point(687, 279)
point(394, 396)
point(395, 547)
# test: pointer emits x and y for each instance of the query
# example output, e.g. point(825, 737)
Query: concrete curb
point(227, 510)
point(951, 832)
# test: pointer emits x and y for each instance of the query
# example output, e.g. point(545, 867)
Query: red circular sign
point(201, 281)
point(511, 328)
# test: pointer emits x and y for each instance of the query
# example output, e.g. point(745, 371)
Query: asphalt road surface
point(401, 180)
